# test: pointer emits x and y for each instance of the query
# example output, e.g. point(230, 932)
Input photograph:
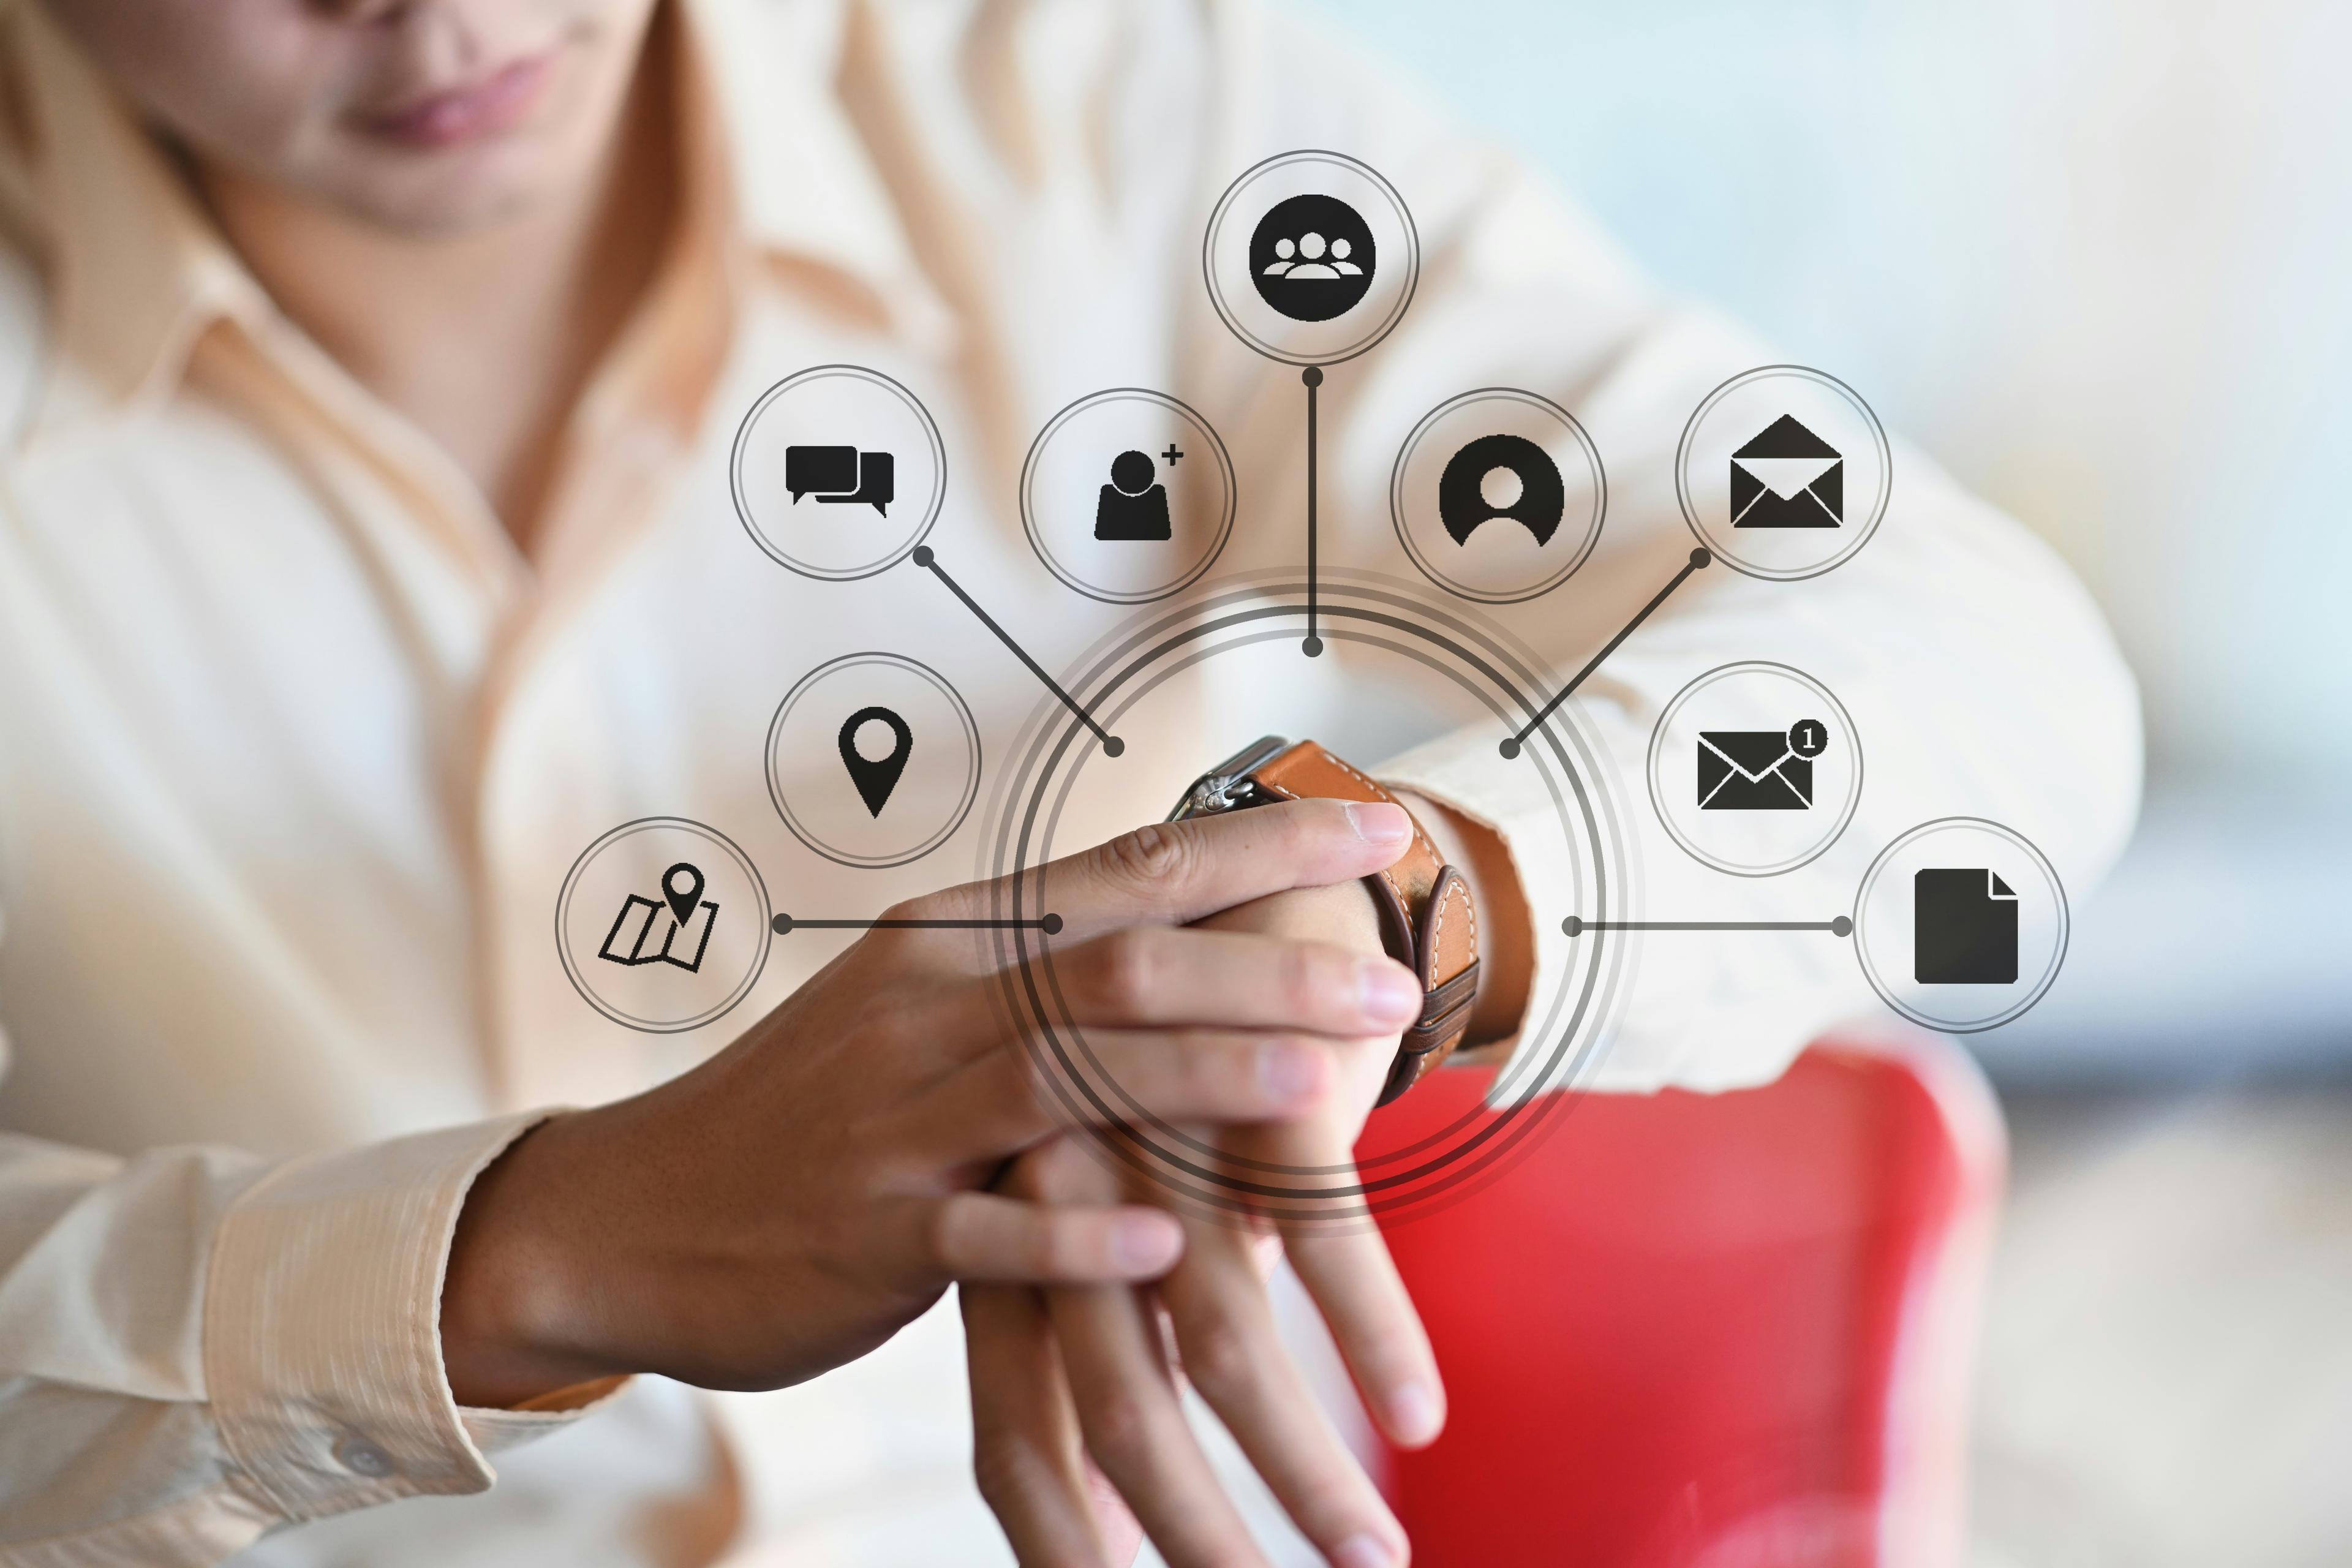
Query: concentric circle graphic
point(1128, 496)
point(838, 472)
point(1311, 256)
point(1783, 472)
point(662, 924)
point(1498, 547)
point(1366, 618)
point(1961, 925)
point(1755, 768)
point(933, 778)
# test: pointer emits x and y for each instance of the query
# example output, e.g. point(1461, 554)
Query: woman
point(372, 369)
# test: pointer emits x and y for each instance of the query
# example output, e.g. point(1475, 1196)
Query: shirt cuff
point(322, 1336)
point(1510, 800)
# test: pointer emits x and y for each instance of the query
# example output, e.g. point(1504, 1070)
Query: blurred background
point(2092, 254)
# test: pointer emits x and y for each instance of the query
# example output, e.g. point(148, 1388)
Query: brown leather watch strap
point(1427, 921)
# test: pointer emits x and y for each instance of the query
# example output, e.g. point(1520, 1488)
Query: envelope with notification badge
point(1788, 478)
point(1751, 770)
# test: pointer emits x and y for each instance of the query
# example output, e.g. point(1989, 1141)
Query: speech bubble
point(841, 476)
point(820, 470)
point(878, 482)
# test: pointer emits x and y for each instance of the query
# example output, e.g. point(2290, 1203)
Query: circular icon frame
point(1655, 767)
point(1355, 169)
point(1854, 538)
point(1183, 410)
point(2061, 915)
point(808, 835)
point(1430, 421)
point(588, 993)
point(743, 510)
point(1570, 1018)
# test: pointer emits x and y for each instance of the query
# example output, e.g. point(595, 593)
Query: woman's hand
point(791, 1202)
point(1075, 1402)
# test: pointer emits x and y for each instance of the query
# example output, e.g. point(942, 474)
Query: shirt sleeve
point(198, 1346)
point(1980, 676)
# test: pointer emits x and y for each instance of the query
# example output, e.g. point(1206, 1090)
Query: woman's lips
point(495, 103)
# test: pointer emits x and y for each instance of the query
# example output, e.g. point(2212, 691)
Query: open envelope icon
point(1788, 478)
point(1751, 770)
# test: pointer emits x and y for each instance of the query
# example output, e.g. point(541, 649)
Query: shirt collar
point(137, 271)
point(806, 188)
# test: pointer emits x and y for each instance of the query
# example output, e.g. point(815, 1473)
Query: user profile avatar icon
point(1498, 495)
point(1134, 504)
point(1312, 258)
point(1128, 496)
point(1501, 475)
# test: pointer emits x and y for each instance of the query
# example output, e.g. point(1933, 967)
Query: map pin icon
point(876, 780)
point(682, 886)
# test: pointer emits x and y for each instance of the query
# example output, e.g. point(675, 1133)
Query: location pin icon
point(682, 886)
point(876, 779)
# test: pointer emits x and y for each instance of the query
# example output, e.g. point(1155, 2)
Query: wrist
point(513, 1327)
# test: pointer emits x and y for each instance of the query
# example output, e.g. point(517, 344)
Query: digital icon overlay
point(873, 760)
point(876, 777)
point(1963, 927)
point(1783, 472)
point(662, 924)
point(1313, 257)
point(683, 939)
point(1760, 770)
point(1498, 495)
point(838, 472)
point(1960, 924)
point(1134, 504)
point(1128, 496)
point(1787, 477)
point(1501, 475)
point(841, 476)
point(1754, 768)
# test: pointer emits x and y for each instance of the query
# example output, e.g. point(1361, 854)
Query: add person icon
point(1134, 505)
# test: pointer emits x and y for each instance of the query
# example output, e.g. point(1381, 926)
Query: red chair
point(1729, 1331)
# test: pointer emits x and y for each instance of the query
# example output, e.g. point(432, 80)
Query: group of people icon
point(1304, 259)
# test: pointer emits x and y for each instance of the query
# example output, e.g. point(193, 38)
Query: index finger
point(1172, 873)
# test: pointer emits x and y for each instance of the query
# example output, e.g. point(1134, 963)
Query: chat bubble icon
point(824, 470)
point(841, 476)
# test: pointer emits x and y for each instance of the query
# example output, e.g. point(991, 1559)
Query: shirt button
point(363, 1458)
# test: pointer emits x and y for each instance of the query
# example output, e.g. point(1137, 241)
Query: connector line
point(1577, 925)
point(926, 558)
point(785, 925)
point(1313, 376)
point(1510, 748)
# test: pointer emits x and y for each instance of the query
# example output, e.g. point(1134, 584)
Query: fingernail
point(1290, 1073)
point(1378, 821)
point(1415, 1414)
point(1365, 1551)
point(1146, 1243)
point(1390, 996)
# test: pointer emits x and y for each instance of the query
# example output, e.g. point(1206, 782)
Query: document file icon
point(1788, 478)
point(1963, 928)
point(1752, 770)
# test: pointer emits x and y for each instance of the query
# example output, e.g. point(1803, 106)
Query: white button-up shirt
point(295, 748)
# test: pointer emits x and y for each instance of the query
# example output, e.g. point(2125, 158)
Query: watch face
point(1208, 793)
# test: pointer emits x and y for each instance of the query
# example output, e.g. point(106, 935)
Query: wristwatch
point(1427, 922)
